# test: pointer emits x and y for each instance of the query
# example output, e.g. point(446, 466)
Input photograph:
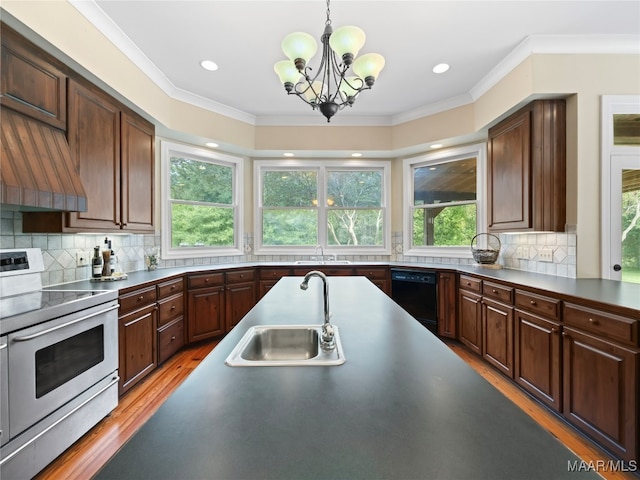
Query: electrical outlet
point(83, 259)
point(522, 253)
point(545, 255)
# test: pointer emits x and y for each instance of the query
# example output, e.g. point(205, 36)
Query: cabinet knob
point(173, 338)
point(173, 287)
point(532, 302)
point(173, 307)
point(593, 321)
point(565, 334)
point(468, 284)
point(242, 275)
point(141, 298)
point(494, 291)
point(206, 280)
point(554, 330)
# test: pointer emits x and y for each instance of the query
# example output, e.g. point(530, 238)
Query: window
point(339, 205)
point(444, 208)
point(201, 211)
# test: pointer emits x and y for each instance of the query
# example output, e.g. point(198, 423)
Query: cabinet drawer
point(546, 306)
point(605, 324)
point(497, 292)
point(470, 283)
point(373, 273)
point(274, 273)
point(330, 271)
point(137, 299)
point(170, 308)
point(241, 276)
point(169, 288)
point(206, 280)
point(170, 339)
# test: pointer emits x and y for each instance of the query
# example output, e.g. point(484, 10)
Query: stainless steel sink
point(284, 345)
point(322, 262)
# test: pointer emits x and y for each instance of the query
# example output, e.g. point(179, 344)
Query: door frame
point(610, 105)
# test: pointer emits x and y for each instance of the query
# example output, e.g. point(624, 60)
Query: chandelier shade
point(341, 74)
point(299, 46)
point(347, 42)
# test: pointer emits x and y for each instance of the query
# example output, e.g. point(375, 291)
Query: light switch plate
point(545, 255)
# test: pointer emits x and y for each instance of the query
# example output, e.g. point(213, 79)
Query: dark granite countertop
point(607, 292)
point(403, 406)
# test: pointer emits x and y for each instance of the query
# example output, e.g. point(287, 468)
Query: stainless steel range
point(58, 364)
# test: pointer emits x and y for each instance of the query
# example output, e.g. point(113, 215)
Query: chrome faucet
point(327, 341)
point(321, 252)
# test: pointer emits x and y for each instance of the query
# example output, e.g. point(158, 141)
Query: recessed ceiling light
point(288, 154)
point(436, 145)
point(212, 144)
point(209, 65)
point(356, 154)
point(441, 68)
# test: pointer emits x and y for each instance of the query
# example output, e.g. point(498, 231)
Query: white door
point(624, 224)
point(625, 218)
point(620, 188)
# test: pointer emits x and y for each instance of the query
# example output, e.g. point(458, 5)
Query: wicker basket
point(487, 255)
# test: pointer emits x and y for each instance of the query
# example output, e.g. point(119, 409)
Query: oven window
point(62, 361)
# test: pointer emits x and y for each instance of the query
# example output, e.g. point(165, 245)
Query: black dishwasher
point(416, 292)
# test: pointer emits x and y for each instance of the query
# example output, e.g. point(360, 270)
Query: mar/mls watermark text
point(601, 466)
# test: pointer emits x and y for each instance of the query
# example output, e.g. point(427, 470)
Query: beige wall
point(582, 79)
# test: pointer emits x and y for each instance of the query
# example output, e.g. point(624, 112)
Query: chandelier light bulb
point(299, 47)
point(314, 93)
point(346, 42)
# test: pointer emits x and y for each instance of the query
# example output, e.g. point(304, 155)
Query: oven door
point(53, 362)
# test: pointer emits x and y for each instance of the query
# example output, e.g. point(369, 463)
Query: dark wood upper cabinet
point(113, 150)
point(32, 82)
point(526, 169)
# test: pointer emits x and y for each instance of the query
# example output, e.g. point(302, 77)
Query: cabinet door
point(469, 306)
point(601, 391)
point(137, 185)
point(31, 84)
point(94, 138)
point(537, 357)
point(447, 305)
point(206, 313)
point(240, 298)
point(508, 173)
point(137, 346)
point(497, 335)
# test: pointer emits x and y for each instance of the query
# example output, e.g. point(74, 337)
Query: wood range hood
point(36, 169)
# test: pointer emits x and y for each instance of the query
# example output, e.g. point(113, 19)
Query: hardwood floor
point(85, 458)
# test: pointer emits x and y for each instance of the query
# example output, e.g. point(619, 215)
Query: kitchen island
point(401, 406)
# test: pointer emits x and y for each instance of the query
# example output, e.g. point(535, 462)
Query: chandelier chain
point(328, 22)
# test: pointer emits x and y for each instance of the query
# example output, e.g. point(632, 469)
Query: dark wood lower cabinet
point(137, 346)
point(240, 298)
point(601, 391)
point(497, 335)
point(206, 313)
point(470, 316)
point(447, 323)
point(537, 358)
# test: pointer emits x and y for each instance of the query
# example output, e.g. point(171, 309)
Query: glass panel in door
point(625, 217)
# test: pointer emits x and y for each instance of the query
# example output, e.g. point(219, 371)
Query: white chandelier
point(332, 88)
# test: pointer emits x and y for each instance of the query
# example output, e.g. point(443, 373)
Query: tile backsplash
point(60, 250)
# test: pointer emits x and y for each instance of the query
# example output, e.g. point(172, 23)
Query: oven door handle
point(53, 329)
point(3, 346)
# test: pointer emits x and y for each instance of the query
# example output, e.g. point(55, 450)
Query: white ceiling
point(481, 40)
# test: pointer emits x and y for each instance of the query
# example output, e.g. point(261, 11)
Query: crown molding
point(556, 44)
